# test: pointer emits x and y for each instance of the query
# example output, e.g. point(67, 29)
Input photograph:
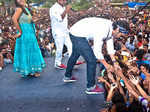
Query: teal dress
point(27, 57)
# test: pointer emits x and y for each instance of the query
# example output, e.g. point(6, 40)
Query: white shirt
point(96, 29)
point(59, 25)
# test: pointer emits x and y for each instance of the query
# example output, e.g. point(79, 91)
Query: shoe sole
point(69, 81)
point(60, 68)
point(92, 93)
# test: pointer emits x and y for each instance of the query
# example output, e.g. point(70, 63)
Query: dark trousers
point(80, 46)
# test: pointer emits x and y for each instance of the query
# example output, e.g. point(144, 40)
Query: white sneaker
point(1, 68)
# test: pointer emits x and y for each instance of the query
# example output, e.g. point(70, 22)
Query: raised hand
point(134, 80)
point(113, 86)
point(110, 76)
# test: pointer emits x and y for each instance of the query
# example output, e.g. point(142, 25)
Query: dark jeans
point(80, 46)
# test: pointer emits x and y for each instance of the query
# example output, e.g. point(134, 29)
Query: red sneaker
point(96, 90)
point(80, 62)
point(61, 66)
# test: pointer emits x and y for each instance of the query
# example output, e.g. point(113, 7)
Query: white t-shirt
point(97, 29)
point(59, 25)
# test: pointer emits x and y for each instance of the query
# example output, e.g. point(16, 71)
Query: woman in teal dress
point(28, 60)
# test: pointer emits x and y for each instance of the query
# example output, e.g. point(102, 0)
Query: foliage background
point(78, 5)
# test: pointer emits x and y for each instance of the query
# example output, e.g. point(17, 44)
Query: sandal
point(36, 75)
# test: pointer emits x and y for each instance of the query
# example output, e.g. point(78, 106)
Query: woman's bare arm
point(15, 19)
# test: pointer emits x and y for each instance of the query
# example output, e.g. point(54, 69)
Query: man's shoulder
point(96, 19)
point(54, 6)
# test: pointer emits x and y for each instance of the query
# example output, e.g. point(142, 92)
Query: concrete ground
point(47, 93)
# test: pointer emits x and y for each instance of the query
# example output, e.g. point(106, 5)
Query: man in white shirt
point(59, 24)
point(99, 30)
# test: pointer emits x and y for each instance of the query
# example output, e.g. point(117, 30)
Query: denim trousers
point(81, 47)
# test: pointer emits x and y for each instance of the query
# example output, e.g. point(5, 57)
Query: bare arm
point(135, 81)
point(111, 92)
point(127, 83)
point(66, 11)
point(121, 89)
point(15, 19)
point(101, 79)
point(143, 93)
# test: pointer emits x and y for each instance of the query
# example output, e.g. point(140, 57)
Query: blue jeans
point(80, 46)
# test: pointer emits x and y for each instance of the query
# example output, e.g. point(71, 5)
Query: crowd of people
point(127, 88)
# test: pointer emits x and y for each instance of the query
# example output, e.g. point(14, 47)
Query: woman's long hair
point(20, 6)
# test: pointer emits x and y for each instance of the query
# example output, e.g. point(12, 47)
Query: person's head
point(124, 40)
point(4, 43)
point(144, 67)
point(20, 3)
point(117, 97)
point(135, 106)
point(62, 2)
point(145, 41)
point(140, 37)
point(120, 107)
point(120, 28)
point(119, 102)
point(132, 39)
point(145, 47)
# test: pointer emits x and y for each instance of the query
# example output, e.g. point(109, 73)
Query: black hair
point(139, 36)
point(121, 23)
point(135, 106)
point(20, 6)
point(145, 45)
point(121, 107)
point(114, 26)
point(119, 102)
point(146, 66)
point(147, 39)
point(118, 97)
point(139, 54)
